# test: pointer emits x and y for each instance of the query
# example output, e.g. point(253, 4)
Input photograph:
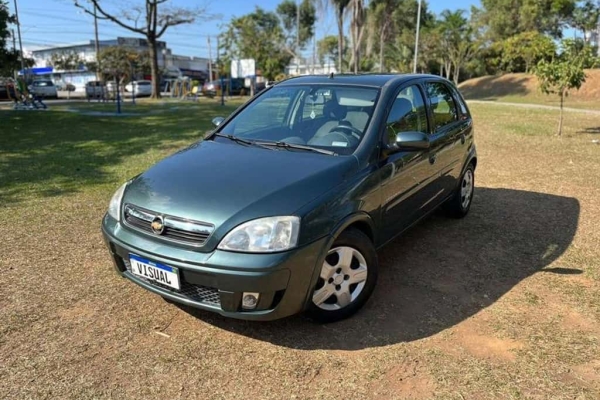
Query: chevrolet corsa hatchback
point(282, 207)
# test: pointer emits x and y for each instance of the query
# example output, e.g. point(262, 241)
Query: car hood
point(219, 182)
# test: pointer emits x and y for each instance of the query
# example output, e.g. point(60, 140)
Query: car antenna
point(331, 75)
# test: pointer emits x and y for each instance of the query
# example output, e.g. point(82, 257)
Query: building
point(173, 66)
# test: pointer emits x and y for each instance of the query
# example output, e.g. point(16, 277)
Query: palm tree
point(357, 25)
point(456, 34)
point(340, 7)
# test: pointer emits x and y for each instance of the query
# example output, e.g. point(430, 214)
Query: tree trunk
point(560, 121)
point(154, 71)
point(340, 22)
point(456, 73)
point(448, 67)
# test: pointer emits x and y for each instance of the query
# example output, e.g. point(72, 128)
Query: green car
point(282, 207)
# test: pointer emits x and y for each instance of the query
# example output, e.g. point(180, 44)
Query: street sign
point(243, 68)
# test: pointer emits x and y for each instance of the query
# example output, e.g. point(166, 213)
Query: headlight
point(114, 207)
point(264, 235)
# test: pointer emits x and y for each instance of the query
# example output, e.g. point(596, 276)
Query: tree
point(340, 7)
point(327, 49)
point(121, 62)
point(398, 48)
point(564, 73)
point(288, 13)
point(257, 35)
point(357, 25)
point(525, 50)
point(66, 61)
point(155, 18)
point(381, 24)
point(586, 18)
point(457, 39)
point(505, 18)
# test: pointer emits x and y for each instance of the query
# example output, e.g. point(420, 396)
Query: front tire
point(459, 205)
point(347, 278)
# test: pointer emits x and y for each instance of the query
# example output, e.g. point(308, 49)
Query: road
point(537, 106)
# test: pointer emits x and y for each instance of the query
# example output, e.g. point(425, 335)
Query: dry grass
point(503, 304)
point(523, 88)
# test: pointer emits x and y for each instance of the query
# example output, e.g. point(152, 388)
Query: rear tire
point(347, 278)
point(458, 206)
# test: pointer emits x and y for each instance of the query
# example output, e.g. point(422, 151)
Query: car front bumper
point(216, 281)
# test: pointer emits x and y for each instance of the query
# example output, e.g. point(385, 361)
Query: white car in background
point(139, 88)
point(44, 88)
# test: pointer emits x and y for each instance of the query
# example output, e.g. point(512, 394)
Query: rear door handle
point(432, 159)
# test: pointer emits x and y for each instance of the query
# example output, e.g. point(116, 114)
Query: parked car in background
point(282, 207)
point(234, 87)
point(64, 86)
point(139, 88)
point(44, 88)
point(95, 90)
point(7, 90)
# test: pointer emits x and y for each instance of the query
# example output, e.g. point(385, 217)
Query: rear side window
point(408, 114)
point(461, 103)
point(443, 106)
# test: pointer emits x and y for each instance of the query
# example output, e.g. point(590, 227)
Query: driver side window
point(408, 114)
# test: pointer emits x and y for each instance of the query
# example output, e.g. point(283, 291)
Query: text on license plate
point(154, 271)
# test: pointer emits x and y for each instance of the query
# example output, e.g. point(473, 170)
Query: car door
point(406, 175)
point(448, 138)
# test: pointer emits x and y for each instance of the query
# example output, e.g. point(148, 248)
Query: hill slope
point(523, 88)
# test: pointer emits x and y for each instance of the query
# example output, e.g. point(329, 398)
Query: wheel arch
point(359, 220)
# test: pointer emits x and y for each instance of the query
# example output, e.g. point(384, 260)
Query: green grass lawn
point(500, 305)
point(56, 152)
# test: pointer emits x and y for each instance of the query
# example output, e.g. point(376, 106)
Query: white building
point(174, 66)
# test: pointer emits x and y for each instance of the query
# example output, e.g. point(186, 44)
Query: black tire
point(456, 206)
point(357, 240)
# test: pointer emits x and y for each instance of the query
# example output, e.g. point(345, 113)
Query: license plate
point(154, 271)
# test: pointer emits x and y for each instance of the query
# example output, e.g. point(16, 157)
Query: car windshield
point(330, 117)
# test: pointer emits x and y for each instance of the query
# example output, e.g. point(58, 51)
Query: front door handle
point(432, 159)
point(463, 139)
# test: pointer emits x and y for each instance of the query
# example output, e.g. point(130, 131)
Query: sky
point(48, 23)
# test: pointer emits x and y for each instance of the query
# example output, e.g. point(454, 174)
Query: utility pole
point(97, 45)
point(417, 38)
point(16, 73)
point(210, 77)
point(19, 32)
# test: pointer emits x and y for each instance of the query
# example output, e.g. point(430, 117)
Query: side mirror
point(410, 141)
point(217, 121)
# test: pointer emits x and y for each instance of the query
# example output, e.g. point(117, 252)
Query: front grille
point(198, 293)
point(175, 229)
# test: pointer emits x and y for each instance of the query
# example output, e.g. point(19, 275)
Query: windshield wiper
point(240, 140)
point(234, 138)
point(285, 145)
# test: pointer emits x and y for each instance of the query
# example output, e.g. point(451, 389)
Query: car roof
point(375, 80)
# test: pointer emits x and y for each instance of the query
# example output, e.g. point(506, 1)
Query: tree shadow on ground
point(440, 273)
point(492, 87)
point(55, 153)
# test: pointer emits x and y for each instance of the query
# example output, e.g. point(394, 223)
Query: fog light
point(250, 300)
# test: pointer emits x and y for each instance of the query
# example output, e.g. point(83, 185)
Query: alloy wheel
point(342, 278)
point(466, 189)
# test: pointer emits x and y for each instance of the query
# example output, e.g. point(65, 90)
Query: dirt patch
point(404, 382)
